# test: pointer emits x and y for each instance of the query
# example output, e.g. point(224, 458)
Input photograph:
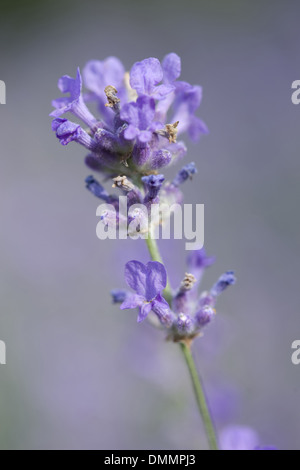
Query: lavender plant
point(143, 114)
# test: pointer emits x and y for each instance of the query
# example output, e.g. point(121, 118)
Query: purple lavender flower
point(145, 77)
point(160, 159)
point(238, 438)
point(266, 448)
point(118, 295)
point(67, 131)
point(187, 300)
point(204, 316)
point(241, 438)
point(184, 174)
point(187, 99)
point(171, 66)
point(133, 127)
point(140, 115)
point(153, 184)
point(148, 281)
point(185, 324)
point(227, 279)
point(97, 189)
point(197, 261)
point(100, 74)
point(190, 312)
point(73, 103)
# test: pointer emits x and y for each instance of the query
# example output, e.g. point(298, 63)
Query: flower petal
point(135, 276)
point(131, 132)
point(145, 75)
point(196, 128)
point(67, 84)
point(161, 91)
point(146, 111)
point(130, 114)
point(145, 136)
point(161, 308)
point(132, 301)
point(239, 438)
point(99, 74)
point(156, 279)
point(172, 67)
point(145, 309)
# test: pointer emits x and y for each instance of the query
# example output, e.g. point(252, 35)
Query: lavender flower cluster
point(133, 131)
point(188, 313)
point(132, 141)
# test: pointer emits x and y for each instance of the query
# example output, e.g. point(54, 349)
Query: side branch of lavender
point(143, 113)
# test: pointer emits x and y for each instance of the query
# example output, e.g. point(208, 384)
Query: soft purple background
point(81, 374)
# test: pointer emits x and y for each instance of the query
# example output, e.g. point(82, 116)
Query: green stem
point(185, 348)
point(200, 397)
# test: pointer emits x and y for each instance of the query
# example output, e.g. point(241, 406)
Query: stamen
point(123, 183)
point(188, 282)
point(170, 132)
point(112, 98)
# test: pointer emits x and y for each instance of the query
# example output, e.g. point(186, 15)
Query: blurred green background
point(81, 374)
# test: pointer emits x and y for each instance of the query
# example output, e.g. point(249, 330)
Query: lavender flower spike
point(148, 281)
